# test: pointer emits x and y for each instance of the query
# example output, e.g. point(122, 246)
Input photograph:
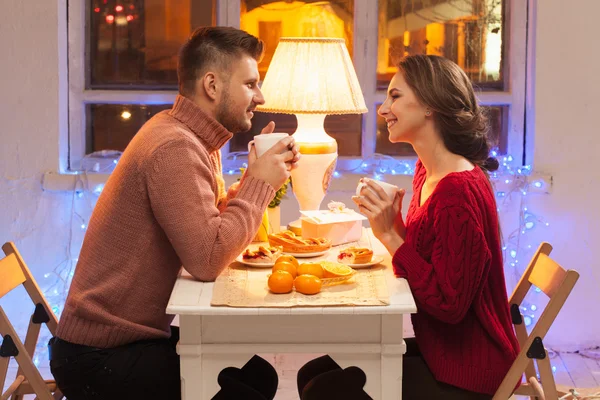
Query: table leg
point(392, 349)
point(189, 350)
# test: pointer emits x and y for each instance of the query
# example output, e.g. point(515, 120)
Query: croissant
point(297, 244)
point(355, 255)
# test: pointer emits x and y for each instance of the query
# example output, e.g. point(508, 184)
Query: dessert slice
point(262, 255)
point(292, 243)
point(355, 255)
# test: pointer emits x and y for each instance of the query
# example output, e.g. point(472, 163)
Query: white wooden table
point(213, 338)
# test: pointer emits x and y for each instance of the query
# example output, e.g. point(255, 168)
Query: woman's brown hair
point(442, 85)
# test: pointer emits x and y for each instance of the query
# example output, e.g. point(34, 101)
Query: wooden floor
point(572, 370)
point(575, 371)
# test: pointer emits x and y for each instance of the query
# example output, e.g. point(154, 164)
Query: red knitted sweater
point(452, 261)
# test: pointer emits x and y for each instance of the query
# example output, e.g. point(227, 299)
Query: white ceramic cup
point(265, 141)
point(389, 189)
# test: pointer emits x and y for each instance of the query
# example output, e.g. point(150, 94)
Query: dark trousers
point(418, 381)
point(147, 369)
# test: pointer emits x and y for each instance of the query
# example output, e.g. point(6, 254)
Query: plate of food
point(260, 257)
point(299, 246)
point(358, 257)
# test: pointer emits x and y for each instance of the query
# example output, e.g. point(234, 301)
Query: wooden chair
point(14, 272)
point(556, 283)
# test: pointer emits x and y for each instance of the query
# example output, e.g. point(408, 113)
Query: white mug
point(389, 189)
point(265, 141)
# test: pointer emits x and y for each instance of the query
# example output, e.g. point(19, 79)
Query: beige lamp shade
point(312, 76)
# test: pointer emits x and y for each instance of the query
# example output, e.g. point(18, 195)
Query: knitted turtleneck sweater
point(162, 208)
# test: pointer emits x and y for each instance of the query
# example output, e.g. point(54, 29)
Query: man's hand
point(275, 165)
point(251, 149)
point(269, 128)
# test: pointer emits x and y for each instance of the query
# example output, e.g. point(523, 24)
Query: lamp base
point(311, 179)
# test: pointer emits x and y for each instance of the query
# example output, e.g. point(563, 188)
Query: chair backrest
point(556, 283)
point(11, 273)
point(33, 290)
point(14, 272)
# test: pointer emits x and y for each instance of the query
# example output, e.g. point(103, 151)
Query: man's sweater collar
point(202, 124)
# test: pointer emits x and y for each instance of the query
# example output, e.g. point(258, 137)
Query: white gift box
point(340, 228)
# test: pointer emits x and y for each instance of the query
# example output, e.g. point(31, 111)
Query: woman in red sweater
point(449, 246)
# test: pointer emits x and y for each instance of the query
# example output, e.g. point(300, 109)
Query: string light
point(56, 282)
point(512, 184)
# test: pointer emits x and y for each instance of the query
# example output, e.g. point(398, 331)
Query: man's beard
point(226, 115)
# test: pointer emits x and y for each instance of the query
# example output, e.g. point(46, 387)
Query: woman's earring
point(428, 113)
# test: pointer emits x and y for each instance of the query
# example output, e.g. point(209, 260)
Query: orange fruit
point(281, 282)
point(287, 258)
point(311, 269)
point(335, 270)
point(285, 266)
point(307, 284)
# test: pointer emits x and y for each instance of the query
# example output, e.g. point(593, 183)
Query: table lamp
point(311, 78)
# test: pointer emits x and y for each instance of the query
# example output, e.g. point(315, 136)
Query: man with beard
point(164, 207)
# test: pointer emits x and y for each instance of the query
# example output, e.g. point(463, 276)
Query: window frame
point(517, 95)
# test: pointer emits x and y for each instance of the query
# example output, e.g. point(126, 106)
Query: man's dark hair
point(213, 47)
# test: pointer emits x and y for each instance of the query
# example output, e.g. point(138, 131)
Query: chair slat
point(547, 378)
point(26, 388)
point(547, 275)
point(3, 371)
point(11, 274)
point(12, 388)
point(33, 333)
point(524, 285)
point(521, 332)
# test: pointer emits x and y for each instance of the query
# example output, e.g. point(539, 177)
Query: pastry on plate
point(297, 244)
point(355, 255)
point(262, 255)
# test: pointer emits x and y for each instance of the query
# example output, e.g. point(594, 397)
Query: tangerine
point(288, 258)
point(280, 282)
point(285, 266)
point(307, 284)
point(315, 269)
point(335, 270)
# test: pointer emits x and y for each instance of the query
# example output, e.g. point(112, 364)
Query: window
point(133, 44)
point(468, 32)
point(125, 70)
point(123, 56)
point(112, 126)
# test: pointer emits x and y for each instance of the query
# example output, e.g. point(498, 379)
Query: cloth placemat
point(241, 286)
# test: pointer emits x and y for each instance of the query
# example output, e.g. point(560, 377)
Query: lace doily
point(239, 286)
